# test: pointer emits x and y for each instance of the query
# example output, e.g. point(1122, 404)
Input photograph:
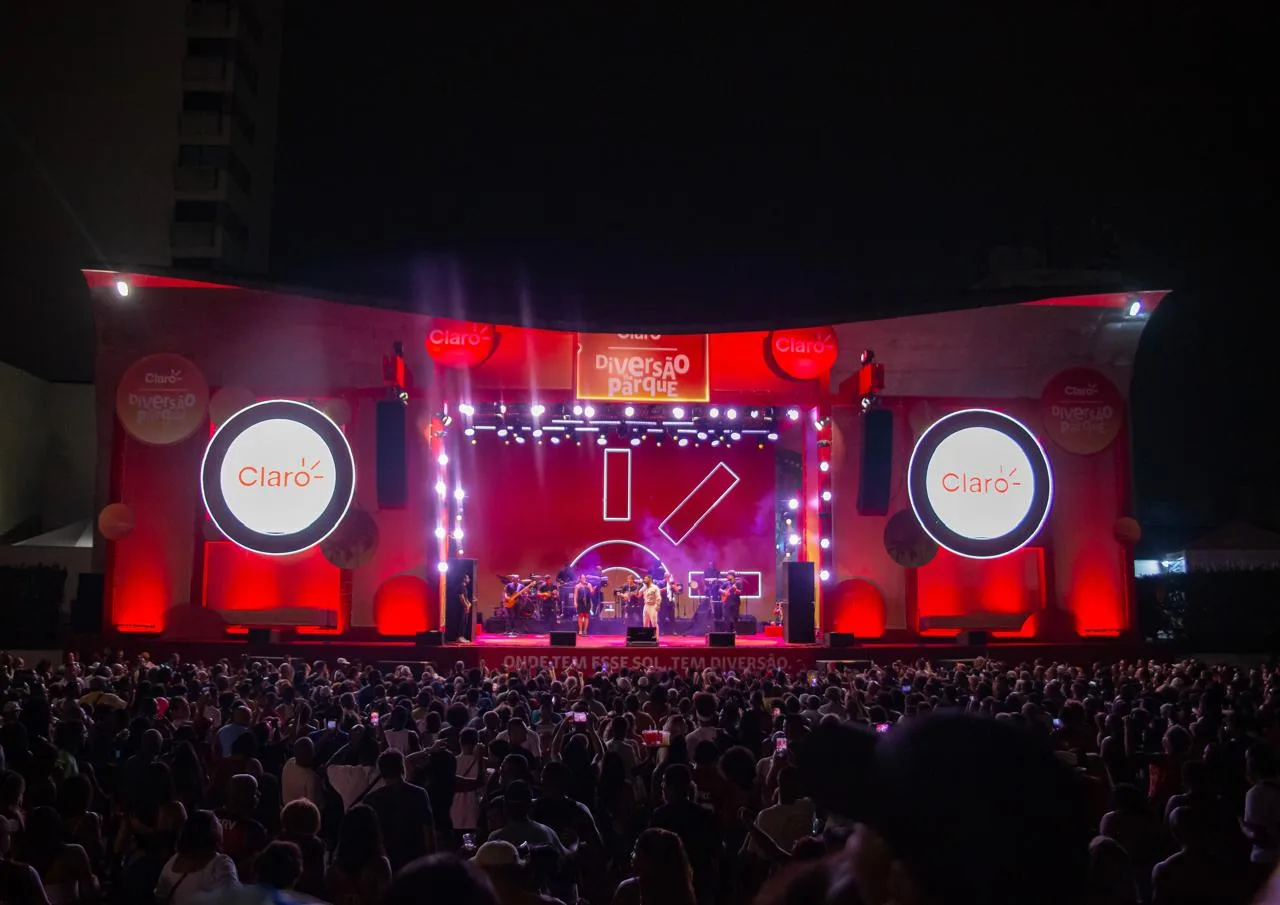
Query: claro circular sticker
point(162, 399)
point(278, 477)
point(980, 483)
point(1082, 410)
point(804, 354)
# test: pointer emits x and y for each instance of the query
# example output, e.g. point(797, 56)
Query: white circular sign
point(277, 477)
point(980, 483)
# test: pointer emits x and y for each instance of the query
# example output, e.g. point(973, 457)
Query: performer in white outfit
point(652, 596)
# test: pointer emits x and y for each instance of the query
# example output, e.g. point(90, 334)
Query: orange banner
point(642, 367)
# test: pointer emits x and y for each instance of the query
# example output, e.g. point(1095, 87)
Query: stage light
point(602, 440)
point(825, 543)
point(122, 288)
point(826, 496)
point(786, 521)
point(555, 440)
point(772, 435)
point(442, 566)
point(470, 432)
point(537, 432)
point(502, 432)
point(440, 532)
point(577, 410)
point(502, 408)
point(629, 411)
point(793, 504)
point(824, 466)
point(404, 397)
point(702, 435)
point(1134, 309)
point(867, 402)
point(715, 442)
point(683, 441)
point(794, 540)
point(731, 414)
point(714, 413)
point(442, 459)
point(520, 438)
point(466, 408)
point(457, 534)
point(459, 494)
point(537, 410)
point(735, 436)
point(793, 414)
point(867, 356)
point(677, 413)
point(440, 488)
point(824, 575)
point(589, 411)
point(635, 441)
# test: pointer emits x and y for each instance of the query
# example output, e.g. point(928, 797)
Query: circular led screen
point(277, 477)
point(979, 483)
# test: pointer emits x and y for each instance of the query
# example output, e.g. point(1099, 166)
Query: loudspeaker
point(86, 608)
point(642, 636)
point(456, 617)
point(393, 479)
point(564, 639)
point(746, 626)
point(259, 638)
point(876, 470)
point(432, 638)
point(721, 639)
point(840, 639)
point(974, 639)
point(800, 594)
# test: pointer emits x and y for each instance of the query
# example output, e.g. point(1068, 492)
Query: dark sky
point(604, 161)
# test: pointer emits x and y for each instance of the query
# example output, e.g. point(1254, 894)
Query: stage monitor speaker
point(876, 473)
point(840, 639)
point(800, 602)
point(393, 477)
point(86, 608)
point(456, 616)
point(564, 639)
point(747, 625)
point(642, 636)
point(432, 638)
point(259, 638)
point(974, 639)
point(721, 639)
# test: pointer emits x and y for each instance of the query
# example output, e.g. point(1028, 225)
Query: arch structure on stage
point(318, 468)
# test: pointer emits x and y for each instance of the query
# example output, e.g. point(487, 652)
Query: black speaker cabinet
point(259, 638)
point(564, 639)
point(642, 636)
point(840, 639)
point(86, 608)
point(392, 478)
point(721, 639)
point(974, 638)
point(800, 602)
point(433, 638)
point(747, 625)
point(876, 470)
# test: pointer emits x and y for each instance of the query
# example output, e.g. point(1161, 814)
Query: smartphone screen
point(579, 716)
point(331, 724)
point(906, 688)
point(780, 746)
point(882, 728)
point(1057, 723)
point(777, 711)
point(373, 718)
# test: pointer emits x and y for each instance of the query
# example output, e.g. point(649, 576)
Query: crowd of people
point(976, 782)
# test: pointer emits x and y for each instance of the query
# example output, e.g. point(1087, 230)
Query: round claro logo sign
point(980, 483)
point(278, 477)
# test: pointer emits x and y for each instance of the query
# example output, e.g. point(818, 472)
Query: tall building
point(132, 133)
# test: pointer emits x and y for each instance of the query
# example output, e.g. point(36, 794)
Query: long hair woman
point(63, 867)
point(361, 871)
point(662, 875)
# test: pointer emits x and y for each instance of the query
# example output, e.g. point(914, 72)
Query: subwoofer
point(800, 603)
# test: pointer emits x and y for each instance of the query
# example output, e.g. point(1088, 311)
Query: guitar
point(509, 600)
point(466, 603)
point(727, 590)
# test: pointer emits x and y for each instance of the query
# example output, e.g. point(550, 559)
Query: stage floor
point(613, 642)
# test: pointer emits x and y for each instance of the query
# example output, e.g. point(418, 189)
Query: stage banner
point(642, 367)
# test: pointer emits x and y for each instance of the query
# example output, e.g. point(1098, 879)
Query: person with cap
point(513, 880)
point(521, 828)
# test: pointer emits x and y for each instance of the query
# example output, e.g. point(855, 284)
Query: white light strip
point(618, 540)
point(739, 572)
point(485, 427)
point(605, 514)
point(662, 527)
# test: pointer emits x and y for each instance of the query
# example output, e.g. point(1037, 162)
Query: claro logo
point(174, 376)
point(261, 476)
point(441, 336)
point(790, 344)
point(963, 482)
point(1081, 392)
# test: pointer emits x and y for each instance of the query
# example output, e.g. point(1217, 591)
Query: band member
point(731, 598)
point(631, 597)
point(548, 599)
point(468, 608)
point(670, 594)
point(583, 599)
point(652, 596)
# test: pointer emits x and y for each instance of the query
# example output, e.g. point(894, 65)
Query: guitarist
point(731, 599)
point(468, 608)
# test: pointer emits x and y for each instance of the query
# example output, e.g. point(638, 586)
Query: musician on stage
point(731, 599)
point(630, 596)
point(651, 594)
point(583, 599)
point(671, 590)
point(468, 608)
point(548, 600)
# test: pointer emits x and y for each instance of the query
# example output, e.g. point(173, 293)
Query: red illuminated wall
point(533, 508)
